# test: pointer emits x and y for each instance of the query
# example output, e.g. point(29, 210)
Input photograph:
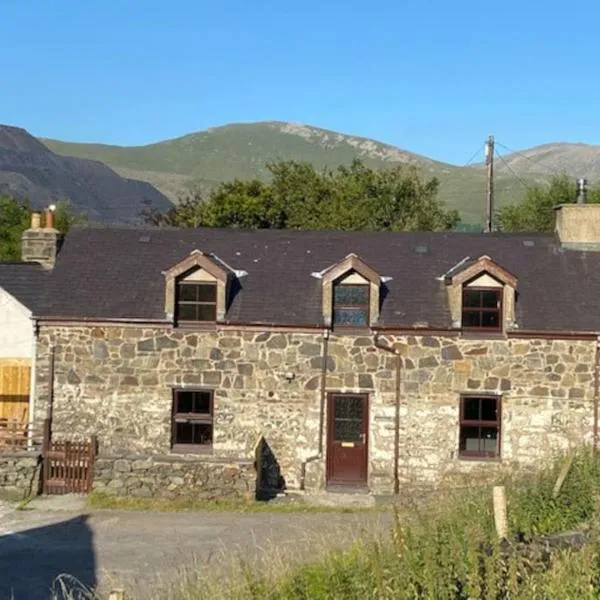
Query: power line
point(527, 187)
point(474, 155)
point(528, 158)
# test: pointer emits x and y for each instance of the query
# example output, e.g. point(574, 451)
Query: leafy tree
point(536, 212)
point(15, 218)
point(300, 197)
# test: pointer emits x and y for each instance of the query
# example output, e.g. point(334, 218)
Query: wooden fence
point(68, 466)
point(14, 435)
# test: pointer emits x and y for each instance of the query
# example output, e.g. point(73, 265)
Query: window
point(479, 426)
point(192, 420)
point(351, 305)
point(482, 308)
point(196, 302)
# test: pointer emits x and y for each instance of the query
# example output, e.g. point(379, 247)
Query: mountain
point(28, 169)
point(577, 160)
point(241, 150)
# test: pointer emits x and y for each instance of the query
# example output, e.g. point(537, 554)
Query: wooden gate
point(68, 466)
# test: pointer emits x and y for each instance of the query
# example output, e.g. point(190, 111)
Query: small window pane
point(351, 294)
point(348, 407)
point(207, 293)
point(469, 439)
point(186, 312)
point(472, 299)
point(202, 402)
point(490, 319)
point(202, 433)
point(489, 299)
point(488, 409)
point(471, 409)
point(489, 440)
point(471, 319)
point(348, 431)
point(184, 433)
point(185, 402)
point(187, 292)
point(207, 312)
point(350, 316)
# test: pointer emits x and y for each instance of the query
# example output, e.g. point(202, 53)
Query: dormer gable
point(351, 293)
point(481, 295)
point(196, 289)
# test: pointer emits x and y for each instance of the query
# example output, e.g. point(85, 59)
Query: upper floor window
point(351, 305)
point(482, 308)
point(196, 302)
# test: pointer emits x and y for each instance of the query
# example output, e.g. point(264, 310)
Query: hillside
point(241, 150)
point(28, 169)
point(577, 160)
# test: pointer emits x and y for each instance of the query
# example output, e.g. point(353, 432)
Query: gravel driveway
point(109, 549)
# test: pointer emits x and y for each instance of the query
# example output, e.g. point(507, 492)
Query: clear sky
point(431, 76)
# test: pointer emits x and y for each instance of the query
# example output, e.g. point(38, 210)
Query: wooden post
point(500, 517)
point(563, 475)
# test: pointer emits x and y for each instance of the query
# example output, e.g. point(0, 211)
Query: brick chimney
point(578, 225)
point(41, 244)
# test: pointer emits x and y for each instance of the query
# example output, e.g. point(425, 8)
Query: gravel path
point(110, 549)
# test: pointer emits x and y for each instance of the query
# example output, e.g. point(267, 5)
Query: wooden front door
point(347, 439)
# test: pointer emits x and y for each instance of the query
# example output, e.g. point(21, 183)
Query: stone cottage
point(365, 361)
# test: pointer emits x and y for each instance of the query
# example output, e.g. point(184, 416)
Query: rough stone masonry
point(117, 382)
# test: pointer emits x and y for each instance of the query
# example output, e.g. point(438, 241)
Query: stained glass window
point(351, 305)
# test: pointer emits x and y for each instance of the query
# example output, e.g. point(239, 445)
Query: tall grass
point(450, 551)
point(443, 550)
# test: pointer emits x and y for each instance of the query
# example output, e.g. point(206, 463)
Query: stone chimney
point(578, 225)
point(41, 244)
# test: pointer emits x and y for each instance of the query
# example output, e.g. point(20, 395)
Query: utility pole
point(489, 163)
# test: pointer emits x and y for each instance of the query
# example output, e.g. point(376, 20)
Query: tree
point(536, 212)
point(300, 197)
point(14, 220)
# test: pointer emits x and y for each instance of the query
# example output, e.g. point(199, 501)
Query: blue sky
point(434, 77)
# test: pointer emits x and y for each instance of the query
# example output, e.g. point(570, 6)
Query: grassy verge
point(447, 551)
point(101, 500)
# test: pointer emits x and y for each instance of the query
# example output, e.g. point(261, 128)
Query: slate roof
point(26, 282)
point(117, 274)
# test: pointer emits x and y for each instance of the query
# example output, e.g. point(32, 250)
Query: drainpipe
point(319, 453)
point(32, 382)
point(596, 393)
point(396, 353)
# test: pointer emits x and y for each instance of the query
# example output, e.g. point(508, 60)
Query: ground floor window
point(192, 420)
point(479, 426)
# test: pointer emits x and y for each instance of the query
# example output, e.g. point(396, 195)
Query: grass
point(443, 550)
point(101, 500)
point(447, 551)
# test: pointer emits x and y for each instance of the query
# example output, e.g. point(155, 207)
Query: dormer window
point(481, 295)
point(482, 308)
point(350, 293)
point(196, 289)
point(196, 302)
point(351, 304)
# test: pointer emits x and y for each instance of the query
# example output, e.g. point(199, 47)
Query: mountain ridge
point(30, 170)
point(240, 150)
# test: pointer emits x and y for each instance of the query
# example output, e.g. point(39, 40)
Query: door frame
point(329, 482)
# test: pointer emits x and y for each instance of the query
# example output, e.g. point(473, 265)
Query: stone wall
point(174, 477)
point(117, 382)
point(19, 474)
